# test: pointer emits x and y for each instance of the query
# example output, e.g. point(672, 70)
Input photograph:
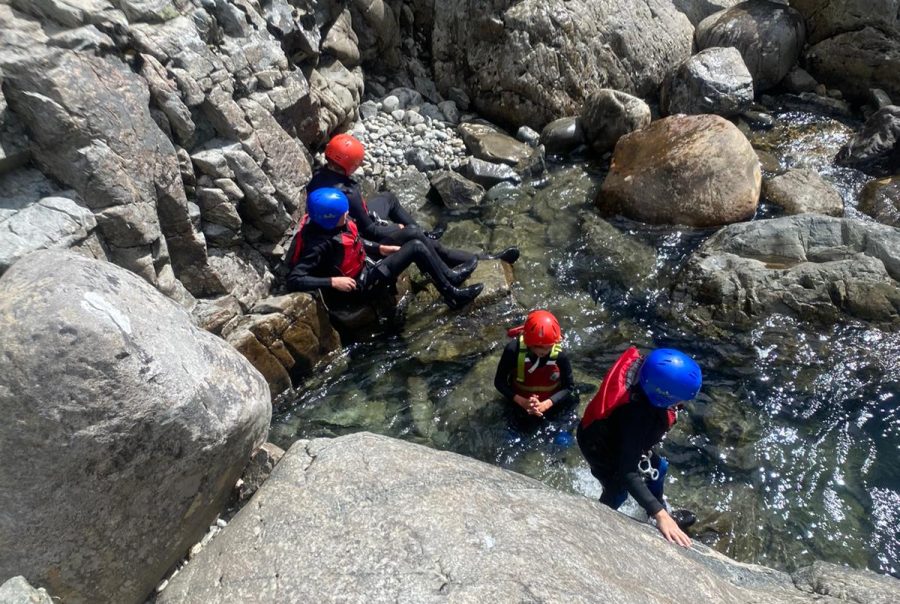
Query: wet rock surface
point(801, 191)
point(876, 149)
point(880, 199)
point(106, 380)
point(435, 525)
point(813, 267)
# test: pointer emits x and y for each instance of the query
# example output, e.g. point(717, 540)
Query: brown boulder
point(697, 170)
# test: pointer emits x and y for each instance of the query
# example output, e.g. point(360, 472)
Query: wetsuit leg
point(388, 207)
point(656, 486)
point(394, 235)
point(614, 494)
point(411, 252)
point(590, 442)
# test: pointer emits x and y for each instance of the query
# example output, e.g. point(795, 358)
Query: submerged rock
point(125, 428)
point(695, 170)
point(811, 267)
point(428, 525)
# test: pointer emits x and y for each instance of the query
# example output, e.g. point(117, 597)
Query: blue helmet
point(326, 206)
point(669, 376)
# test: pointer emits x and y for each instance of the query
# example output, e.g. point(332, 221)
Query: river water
point(790, 454)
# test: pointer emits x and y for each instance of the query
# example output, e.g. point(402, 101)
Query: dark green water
point(790, 453)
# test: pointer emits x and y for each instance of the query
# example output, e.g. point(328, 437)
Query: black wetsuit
point(322, 254)
point(385, 213)
point(564, 400)
point(613, 448)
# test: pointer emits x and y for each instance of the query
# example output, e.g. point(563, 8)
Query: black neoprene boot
point(458, 274)
point(684, 518)
point(435, 233)
point(457, 297)
point(509, 255)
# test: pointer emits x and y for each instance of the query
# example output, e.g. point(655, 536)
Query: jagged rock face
point(695, 170)
point(91, 129)
point(768, 35)
point(114, 99)
point(698, 10)
point(811, 267)
point(125, 428)
point(827, 18)
point(435, 526)
point(531, 62)
point(856, 61)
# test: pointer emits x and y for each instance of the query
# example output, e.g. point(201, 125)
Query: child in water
point(631, 413)
point(534, 371)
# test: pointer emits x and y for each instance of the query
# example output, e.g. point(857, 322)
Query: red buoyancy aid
point(614, 391)
point(353, 259)
point(533, 378)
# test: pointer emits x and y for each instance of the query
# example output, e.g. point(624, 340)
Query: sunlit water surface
point(789, 455)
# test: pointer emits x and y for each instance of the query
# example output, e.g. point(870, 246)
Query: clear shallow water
point(790, 453)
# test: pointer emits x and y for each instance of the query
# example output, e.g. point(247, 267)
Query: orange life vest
point(534, 378)
point(614, 390)
point(353, 260)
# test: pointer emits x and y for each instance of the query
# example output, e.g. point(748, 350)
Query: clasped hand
point(534, 405)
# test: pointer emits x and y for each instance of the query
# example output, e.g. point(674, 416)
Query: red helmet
point(541, 329)
point(345, 151)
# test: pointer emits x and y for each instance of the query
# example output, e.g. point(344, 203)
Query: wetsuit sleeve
point(634, 428)
point(311, 258)
point(371, 248)
point(505, 369)
point(357, 209)
point(567, 380)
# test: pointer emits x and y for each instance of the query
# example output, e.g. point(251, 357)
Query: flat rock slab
point(366, 518)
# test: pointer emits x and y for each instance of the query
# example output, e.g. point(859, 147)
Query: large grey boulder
point(802, 191)
point(697, 170)
point(813, 267)
point(529, 62)
point(608, 115)
point(365, 518)
point(876, 148)
point(125, 428)
point(827, 18)
point(769, 36)
point(857, 61)
point(714, 80)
